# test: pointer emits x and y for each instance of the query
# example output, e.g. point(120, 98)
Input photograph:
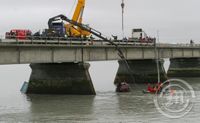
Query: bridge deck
point(20, 52)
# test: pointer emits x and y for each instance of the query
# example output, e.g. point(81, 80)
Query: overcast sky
point(176, 20)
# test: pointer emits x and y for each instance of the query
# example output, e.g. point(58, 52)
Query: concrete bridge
point(60, 68)
point(14, 53)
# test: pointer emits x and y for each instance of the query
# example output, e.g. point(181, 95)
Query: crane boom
point(79, 11)
point(73, 30)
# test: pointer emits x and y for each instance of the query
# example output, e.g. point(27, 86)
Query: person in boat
point(154, 89)
point(151, 89)
point(123, 87)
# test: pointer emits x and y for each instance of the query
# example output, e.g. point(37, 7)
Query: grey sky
point(176, 20)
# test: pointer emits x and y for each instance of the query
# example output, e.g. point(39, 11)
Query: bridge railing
point(33, 40)
point(68, 41)
point(178, 45)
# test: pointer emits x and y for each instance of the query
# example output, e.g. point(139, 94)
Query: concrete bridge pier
point(59, 78)
point(184, 67)
point(144, 71)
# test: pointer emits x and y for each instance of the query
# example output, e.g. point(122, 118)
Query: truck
point(56, 30)
point(21, 34)
point(138, 35)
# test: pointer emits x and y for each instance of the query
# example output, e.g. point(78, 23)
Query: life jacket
point(150, 89)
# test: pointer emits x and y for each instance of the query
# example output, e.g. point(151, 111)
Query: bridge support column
point(60, 78)
point(143, 71)
point(184, 67)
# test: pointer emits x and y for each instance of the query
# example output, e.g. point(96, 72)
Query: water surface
point(106, 107)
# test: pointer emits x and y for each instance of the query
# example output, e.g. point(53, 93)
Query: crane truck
point(57, 28)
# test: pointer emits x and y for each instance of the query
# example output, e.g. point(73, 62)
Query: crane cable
point(72, 7)
point(119, 50)
point(122, 5)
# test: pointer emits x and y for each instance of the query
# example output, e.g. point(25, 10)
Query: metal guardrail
point(68, 41)
point(178, 45)
point(76, 41)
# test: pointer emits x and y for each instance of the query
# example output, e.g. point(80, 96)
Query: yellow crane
point(72, 30)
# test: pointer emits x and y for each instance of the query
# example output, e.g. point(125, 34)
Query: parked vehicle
point(21, 34)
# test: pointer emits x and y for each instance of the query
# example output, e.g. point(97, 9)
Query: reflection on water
point(104, 107)
point(56, 108)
